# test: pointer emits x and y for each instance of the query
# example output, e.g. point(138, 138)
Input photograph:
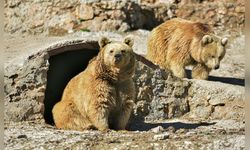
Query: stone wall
point(60, 17)
point(222, 13)
point(25, 88)
point(160, 96)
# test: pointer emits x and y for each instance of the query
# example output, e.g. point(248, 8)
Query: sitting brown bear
point(101, 97)
point(178, 43)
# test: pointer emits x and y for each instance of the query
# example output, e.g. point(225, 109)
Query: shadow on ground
point(228, 80)
point(142, 126)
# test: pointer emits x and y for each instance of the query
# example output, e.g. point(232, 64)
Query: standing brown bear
point(178, 43)
point(101, 97)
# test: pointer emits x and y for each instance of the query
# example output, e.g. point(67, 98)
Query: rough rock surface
point(162, 96)
point(25, 89)
point(61, 17)
point(177, 135)
point(224, 13)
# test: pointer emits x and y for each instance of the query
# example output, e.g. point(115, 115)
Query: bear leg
point(123, 116)
point(178, 70)
point(200, 71)
point(99, 118)
point(66, 116)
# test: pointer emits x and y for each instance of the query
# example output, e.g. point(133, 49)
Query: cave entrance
point(64, 66)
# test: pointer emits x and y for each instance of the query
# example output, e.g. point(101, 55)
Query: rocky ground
point(225, 132)
point(172, 134)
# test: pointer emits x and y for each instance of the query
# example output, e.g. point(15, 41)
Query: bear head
point(117, 54)
point(212, 50)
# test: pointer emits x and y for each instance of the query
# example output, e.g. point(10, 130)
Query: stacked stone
point(61, 17)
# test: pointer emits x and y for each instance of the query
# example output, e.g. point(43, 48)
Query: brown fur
point(101, 97)
point(177, 43)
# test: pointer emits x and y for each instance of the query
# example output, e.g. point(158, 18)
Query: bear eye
point(213, 56)
point(123, 51)
point(111, 51)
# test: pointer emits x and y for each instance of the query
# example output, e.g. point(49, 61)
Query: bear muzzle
point(118, 58)
point(217, 67)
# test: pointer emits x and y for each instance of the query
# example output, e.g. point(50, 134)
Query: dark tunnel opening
point(63, 67)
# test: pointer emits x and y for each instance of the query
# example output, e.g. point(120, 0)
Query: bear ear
point(103, 41)
point(129, 41)
point(224, 41)
point(206, 39)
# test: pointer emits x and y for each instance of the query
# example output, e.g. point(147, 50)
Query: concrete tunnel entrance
point(62, 68)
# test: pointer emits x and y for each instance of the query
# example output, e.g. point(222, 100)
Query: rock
point(84, 12)
point(230, 125)
point(37, 23)
point(13, 3)
point(56, 31)
point(161, 136)
point(240, 9)
point(212, 12)
point(200, 112)
point(22, 136)
point(217, 101)
point(165, 95)
point(24, 100)
point(122, 15)
point(149, 1)
point(157, 129)
point(119, 15)
point(171, 129)
point(205, 105)
point(190, 133)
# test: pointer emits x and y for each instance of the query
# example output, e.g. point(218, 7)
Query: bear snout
point(217, 67)
point(118, 57)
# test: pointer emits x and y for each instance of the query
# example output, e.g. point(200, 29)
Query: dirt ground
point(172, 134)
